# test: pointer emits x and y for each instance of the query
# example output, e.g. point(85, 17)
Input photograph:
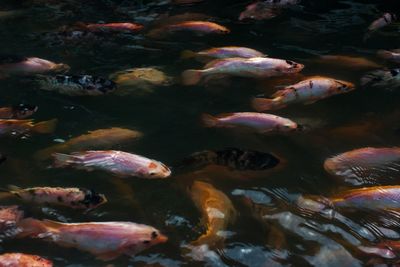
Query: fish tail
point(264, 104)
point(45, 127)
point(186, 54)
point(30, 227)
point(209, 121)
point(384, 54)
point(191, 77)
point(65, 160)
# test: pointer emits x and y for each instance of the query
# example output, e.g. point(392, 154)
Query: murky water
point(273, 230)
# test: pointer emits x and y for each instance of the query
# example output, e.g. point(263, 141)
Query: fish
point(119, 163)
point(9, 219)
point(97, 139)
point(105, 240)
point(23, 260)
point(374, 198)
point(367, 165)
point(234, 158)
point(307, 92)
point(391, 55)
point(384, 20)
point(257, 67)
point(133, 80)
point(387, 249)
point(348, 62)
point(388, 79)
point(258, 122)
point(11, 65)
point(21, 127)
point(267, 9)
point(217, 212)
point(18, 112)
point(123, 27)
point(76, 198)
point(196, 27)
point(222, 52)
point(76, 85)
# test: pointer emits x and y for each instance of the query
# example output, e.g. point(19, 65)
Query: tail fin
point(64, 160)
point(191, 77)
point(264, 104)
point(186, 54)
point(384, 54)
point(45, 127)
point(30, 227)
point(209, 121)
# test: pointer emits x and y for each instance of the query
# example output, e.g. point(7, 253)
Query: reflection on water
point(286, 210)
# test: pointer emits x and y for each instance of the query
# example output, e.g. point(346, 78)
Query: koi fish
point(258, 67)
point(307, 92)
point(105, 240)
point(117, 162)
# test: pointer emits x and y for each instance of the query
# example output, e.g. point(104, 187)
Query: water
point(273, 232)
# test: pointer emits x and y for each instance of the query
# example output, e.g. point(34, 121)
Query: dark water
point(273, 232)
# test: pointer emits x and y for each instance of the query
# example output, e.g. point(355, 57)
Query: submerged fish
point(76, 85)
point(377, 197)
point(9, 219)
point(14, 65)
point(306, 92)
point(348, 62)
point(117, 162)
point(257, 67)
point(23, 260)
point(366, 165)
point(234, 158)
point(126, 27)
point(217, 212)
point(105, 240)
point(222, 52)
point(266, 9)
point(383, 21)
point(21, 111)
point(21, 127)
point(196, 27)
point(382, 78)
point(76, 198)
point(258, 122)
point(133, 80)
point(392, 55)
point(98, 139)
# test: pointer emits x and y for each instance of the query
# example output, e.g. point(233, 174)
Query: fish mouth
point(162, 238)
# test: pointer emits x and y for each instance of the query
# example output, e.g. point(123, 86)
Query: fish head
point(93, 199)
point(223, 30)
point(146, 239)
point(256, 11)
point(22, 111)
point(344, 87)
point(288, 126)
point(156, 169)
point(290, 67)
point(60, 68)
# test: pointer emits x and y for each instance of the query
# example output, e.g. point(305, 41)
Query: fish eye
point(291, 63)
point(154, 235)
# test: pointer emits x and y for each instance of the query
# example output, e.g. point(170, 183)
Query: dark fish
point(237, 159)
point(20, 111)
point(389, 79)
point(76, 85)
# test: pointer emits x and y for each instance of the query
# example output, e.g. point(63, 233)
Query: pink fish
point(105, 240)
point(257, 67)
point(259, 122)
point(12, 65)
point(23, 260)
point(196, 27)
point(117, 162)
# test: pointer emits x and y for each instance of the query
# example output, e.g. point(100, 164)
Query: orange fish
point(114, 27)
point(197, 27)
point(23, 260)
point(21, 127)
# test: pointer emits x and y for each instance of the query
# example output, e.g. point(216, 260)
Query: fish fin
point(45, 127)
point(64, 160)
point(13, 187)
point(278, 93)
point(191, 77)
point(264, 104)
point(31, 227)
point(209, 120)
point(52, 224)
point(107, 256)
point(187, 54)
